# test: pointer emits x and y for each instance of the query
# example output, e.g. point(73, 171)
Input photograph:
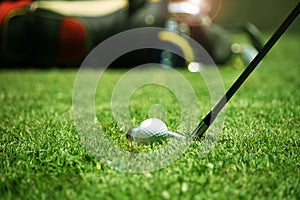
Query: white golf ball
point(154, 127)
point(151, 130)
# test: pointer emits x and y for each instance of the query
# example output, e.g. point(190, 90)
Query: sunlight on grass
point(257, 155)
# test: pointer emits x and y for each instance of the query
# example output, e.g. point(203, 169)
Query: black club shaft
point(211, 116)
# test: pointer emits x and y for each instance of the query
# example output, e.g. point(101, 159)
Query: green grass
point(256, 156)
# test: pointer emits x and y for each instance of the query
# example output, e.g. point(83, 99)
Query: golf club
point(250, 31)
point(155, 129)
point(211, 116)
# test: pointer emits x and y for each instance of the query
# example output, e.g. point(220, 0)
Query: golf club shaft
point(211, 116)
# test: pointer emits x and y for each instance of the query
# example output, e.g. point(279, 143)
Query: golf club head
point(254, 34)
point(211, 116)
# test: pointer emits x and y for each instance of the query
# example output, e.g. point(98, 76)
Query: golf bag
point(62, 33)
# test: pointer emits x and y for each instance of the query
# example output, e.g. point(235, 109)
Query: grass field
point(256, 157)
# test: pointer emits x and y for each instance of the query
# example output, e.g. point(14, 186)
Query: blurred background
point(266, 14)
point(62, 33)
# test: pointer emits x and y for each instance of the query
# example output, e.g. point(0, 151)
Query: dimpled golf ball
point(153, 127)
point(150, 130)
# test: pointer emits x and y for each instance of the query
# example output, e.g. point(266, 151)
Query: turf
point(256, 156)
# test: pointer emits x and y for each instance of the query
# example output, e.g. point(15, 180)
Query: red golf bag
point(61, 33)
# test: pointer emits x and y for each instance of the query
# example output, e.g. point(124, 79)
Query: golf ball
point(150, 130)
